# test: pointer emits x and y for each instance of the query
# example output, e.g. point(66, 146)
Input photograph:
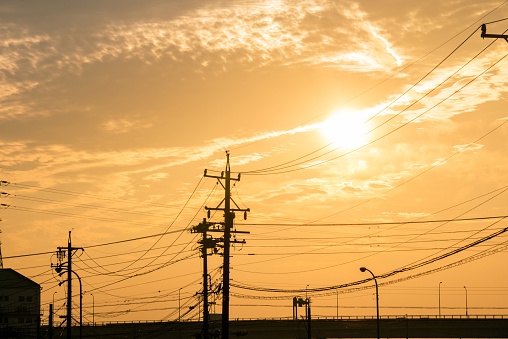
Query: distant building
point(20, 300)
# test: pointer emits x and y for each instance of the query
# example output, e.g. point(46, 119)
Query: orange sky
point(110, 113)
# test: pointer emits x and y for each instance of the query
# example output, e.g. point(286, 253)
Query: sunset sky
point(346, 120)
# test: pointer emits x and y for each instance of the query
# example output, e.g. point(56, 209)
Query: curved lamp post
point(363, 269)
point(80, 306)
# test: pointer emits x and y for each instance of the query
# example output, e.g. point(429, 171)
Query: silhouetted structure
point(19, 305)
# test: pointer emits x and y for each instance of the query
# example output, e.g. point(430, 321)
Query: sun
point(346, 129)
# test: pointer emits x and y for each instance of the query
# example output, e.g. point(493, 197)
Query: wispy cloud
point(316, 33)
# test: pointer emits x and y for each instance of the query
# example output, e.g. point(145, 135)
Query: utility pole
point(228, 225)
point(50, 322)
point(207, 242)
point(299, 302)
point(69, 287)
point(59, 269)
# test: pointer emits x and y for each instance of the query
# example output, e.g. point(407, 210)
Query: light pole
point(93, 309)
point(466, 299)
point(80, 306)
point(363, 269)
point(337, 303)
point(440, 298)
point(51, 313)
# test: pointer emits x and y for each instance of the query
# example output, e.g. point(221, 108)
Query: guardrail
point(352, 317)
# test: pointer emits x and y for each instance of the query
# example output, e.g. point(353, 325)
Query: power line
point(396, 73)
point(28, 198)
point(74, 193)
point(279, 169)
point(385, 275)
point(374, 223)
point(281, 166)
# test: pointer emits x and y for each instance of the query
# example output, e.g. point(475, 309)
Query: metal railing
point(330, 318)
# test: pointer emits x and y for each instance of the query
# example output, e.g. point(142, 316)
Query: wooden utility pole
point(229, 215)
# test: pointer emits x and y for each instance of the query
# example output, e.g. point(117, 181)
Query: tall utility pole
point(59, 269)
point(69, 288)
point(228, 225)
point(206, 242)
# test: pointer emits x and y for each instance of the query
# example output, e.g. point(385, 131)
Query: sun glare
point(346, 129)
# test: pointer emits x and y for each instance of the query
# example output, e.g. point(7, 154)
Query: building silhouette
point(19, 305)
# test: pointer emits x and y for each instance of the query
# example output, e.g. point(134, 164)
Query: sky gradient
point(346, 120)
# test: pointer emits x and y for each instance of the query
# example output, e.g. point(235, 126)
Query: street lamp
point(93, 309)
point(440, 298)
point(363, 269)
point(80, 306)
point(466, 299)
point(337, 290)
point(52, 312)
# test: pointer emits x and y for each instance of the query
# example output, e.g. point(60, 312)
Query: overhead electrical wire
point(369, 236)
point(403, 69)
point(143, 273)
point(167, 228)
point(280, 169)
point(381, 223)
point(177, 231)
point(497, 191)
point(494, 249)
point(377, 236)
point(95, 196)
point(438, 163)
point(169, 262)
point(97, 245)
point(180, 234)
point(82, 216)
point(124, 272)
point(485, 228)
point(28, 198)
point(381, 276)
point(281, 166)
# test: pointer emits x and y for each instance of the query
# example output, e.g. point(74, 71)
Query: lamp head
point(363, 269)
